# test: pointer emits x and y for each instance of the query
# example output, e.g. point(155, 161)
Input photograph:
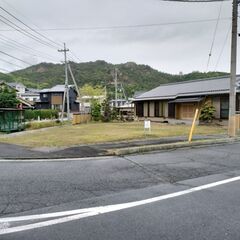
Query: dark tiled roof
point(201, 87)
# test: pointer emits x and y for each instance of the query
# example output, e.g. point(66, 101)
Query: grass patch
point(104, 132)
point(39, 125)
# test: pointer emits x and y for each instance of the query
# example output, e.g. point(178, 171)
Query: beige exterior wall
point(216, 104)
point(165, 109)
point(145, 109)
point(151, 110)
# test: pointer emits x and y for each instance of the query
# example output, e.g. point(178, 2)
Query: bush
point(43, 114)
point(207, 113)
point(38, 125)
point(106, 115)
point(95, 110)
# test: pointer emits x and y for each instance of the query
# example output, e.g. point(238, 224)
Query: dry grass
point(103, 132)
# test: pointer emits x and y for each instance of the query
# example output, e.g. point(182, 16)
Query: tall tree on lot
point(207, 112)
point(8, 98)
point(107, 113)
point(92, 91)
point(96, 110)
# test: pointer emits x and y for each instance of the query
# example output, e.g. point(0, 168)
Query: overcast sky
point(171, 48)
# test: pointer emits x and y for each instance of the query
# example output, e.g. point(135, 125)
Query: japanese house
point(179, 100)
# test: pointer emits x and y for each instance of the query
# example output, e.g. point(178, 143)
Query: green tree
point(95, 110)
point(207, 112)
point(8, 98)
point(107, 112)
point(89, 90)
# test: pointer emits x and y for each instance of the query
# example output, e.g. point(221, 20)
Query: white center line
point(88, 212)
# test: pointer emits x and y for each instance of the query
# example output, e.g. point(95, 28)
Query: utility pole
point(116, 85)
point(233, 79)
point(81, 107)
point(66, 91)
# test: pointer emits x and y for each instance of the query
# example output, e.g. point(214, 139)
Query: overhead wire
point(35, 31)
point(28, 32)
point(33, 51)
point(9, 55)
point(74, 55)
point(214, 36)
point(5, 70)
point(128, 26)
point(11, 63)
point(23, 31)
point(223, 47)
point(56, 43)
point(32, 29)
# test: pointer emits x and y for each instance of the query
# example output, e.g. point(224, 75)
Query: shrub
point(107, 113)
point(38, 125)
point(207, 113)
point(8, 98)
point(95, 110)
point(43, 114)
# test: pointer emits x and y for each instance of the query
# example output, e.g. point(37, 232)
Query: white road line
point(110, 208)
point(47, 215)
point(2, 160)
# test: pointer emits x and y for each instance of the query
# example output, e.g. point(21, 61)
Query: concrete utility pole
point(81, 107)
point(233, 79)
point(66, 91)
point(116, 85)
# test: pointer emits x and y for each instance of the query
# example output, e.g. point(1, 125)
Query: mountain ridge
point(133, 76)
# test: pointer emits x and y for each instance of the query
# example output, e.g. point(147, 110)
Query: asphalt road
point(36, 188)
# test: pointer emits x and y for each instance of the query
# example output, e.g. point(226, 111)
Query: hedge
point(43, 114)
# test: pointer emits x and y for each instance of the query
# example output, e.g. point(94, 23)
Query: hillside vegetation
point(134, 77)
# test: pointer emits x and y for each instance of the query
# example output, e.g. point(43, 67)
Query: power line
point(33, 30)
point(37, 27)
point(3, 60)
point(223, 47)
point(11, 45)
point(15, 58)
point(5, 70)
point(24, 32)
point(214, 36)
point(43, 36)
point(127, 26)
point(32, 52)
point(197, 1)
point(75, 56)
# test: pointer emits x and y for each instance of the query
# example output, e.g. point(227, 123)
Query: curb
point(128, 150)
point(28, 160)
point(168, 146)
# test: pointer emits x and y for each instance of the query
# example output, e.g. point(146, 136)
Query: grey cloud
point(169, 48)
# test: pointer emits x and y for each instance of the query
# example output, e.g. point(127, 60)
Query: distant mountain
point(134, 77)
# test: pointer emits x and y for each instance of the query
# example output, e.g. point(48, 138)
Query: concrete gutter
point(168, 146)
point(120, 151)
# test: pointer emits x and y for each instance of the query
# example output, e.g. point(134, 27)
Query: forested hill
point(134, 77)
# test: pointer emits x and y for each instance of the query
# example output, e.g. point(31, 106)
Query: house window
point(171, 110)
point(139, 109)
point(224, 107)
point(57, 107)
point(238, 103)
point(148, 104)
point(45, 95)
point(156, 109)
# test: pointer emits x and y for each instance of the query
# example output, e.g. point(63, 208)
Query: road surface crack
point(146, 170)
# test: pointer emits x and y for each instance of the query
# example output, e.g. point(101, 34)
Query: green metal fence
point(11, 120)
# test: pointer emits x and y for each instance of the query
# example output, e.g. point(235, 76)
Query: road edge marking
point(113, 208)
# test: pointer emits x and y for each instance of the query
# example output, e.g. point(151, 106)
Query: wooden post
point(193, 125)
